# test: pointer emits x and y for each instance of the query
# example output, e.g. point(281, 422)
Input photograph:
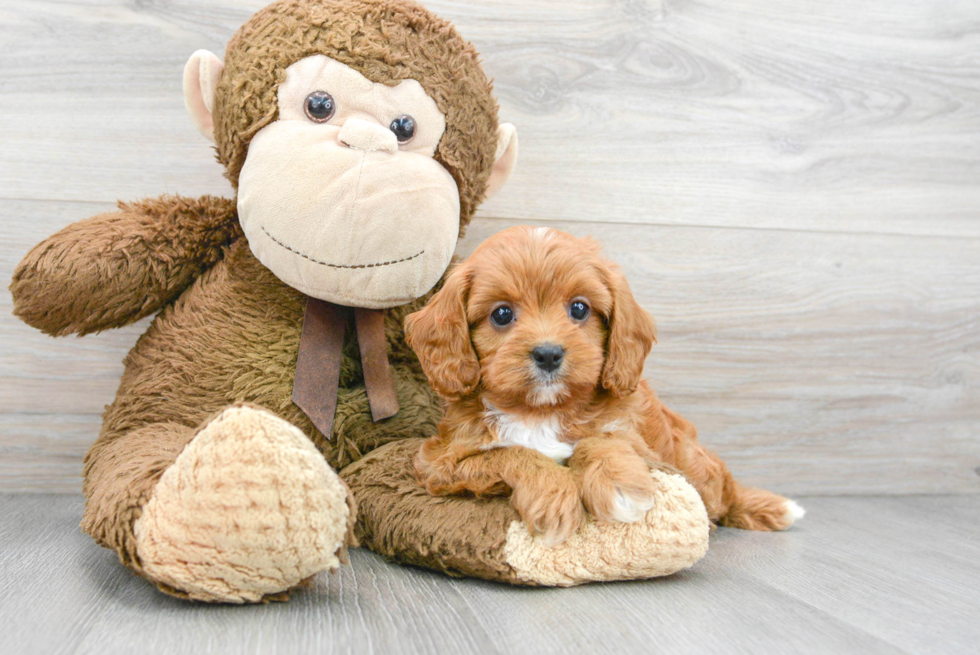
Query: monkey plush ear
point(200, 80)
point(504, 160)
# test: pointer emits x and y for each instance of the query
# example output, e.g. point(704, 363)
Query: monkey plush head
point(361, 135)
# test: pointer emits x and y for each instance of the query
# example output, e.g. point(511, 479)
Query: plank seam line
point(696, 226)
point(708, 226)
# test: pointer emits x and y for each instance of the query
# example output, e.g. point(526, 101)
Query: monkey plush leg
point(245, 509)
point(485, 537)
point(115, 268)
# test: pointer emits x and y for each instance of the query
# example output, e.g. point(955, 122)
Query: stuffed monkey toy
point(360, 136)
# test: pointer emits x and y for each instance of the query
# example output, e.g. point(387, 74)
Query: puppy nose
point(547, 356)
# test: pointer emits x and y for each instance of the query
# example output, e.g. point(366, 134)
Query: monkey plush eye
point(578, 310)
point(502, 315)
point(319, 106)
point(404, 128)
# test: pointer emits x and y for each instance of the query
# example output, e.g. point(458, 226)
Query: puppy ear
point(439, 334)
point(631, 336)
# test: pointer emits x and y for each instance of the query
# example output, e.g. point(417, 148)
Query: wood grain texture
point(868, 575)
point(792, 189)
point(821, 116)
point(813, 362)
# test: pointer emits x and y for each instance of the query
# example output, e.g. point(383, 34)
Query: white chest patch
point(543, 436)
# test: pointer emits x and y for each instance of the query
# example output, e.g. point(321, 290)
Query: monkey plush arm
point(115, 268)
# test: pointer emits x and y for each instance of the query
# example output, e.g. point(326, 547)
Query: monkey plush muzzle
point(348, 221)
point(338, 206)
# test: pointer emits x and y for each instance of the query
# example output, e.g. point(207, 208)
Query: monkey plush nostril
point(360, 134)
point(548, 357)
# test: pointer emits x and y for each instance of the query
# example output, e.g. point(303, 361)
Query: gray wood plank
point(813, 362)
point(843, 580)
point(906, 576)
point(791, 115)
point(664, 616)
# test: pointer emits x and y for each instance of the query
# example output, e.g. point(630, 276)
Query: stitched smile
point(316, 261)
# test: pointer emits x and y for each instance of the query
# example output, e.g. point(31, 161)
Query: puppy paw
point(624, 500)
point(550, 506)
point(631, 506)
point(620, 490)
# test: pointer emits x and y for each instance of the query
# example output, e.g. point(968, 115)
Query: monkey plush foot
point(248, 510)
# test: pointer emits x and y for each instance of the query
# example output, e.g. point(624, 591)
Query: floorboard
point(857, 575)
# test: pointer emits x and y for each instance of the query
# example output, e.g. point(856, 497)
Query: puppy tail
point(758, 509)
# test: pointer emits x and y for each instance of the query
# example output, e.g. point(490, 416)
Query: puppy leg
point(542, 491)
point(727, 501)
point(445, 476)
point(548, 501)
point(614, 478)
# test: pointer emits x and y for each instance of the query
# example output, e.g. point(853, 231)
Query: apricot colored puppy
point(537, 345)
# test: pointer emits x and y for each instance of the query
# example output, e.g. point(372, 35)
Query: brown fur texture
point(398, 519)
point(113, 269)
point(228, 330)
point(485, 538)
point(386, 42)
point(231, 337)
point(595, 400)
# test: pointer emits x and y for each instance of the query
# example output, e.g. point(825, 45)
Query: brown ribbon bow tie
point(318, 364)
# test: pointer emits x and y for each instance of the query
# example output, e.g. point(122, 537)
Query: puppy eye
point(502, 316)
point(319, 106)
point(404, 128)
point(578, 310)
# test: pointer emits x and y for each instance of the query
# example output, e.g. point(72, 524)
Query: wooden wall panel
point(791, 187)
point(814, 362)
point(841, 116)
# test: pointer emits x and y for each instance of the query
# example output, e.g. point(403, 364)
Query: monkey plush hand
point(360, 136)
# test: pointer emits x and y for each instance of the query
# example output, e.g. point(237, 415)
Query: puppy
point(537, 345)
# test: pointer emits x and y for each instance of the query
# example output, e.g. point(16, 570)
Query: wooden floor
point(858, 575)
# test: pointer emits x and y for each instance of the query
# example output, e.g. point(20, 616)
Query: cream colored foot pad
point(671, 537)
point(249, 508)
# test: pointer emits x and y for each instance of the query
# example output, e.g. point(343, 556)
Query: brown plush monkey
point(360, 136)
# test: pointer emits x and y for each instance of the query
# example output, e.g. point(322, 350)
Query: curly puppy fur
point(512, 424)
point(228, 330)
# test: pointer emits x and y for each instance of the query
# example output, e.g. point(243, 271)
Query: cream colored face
point(340, 209)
